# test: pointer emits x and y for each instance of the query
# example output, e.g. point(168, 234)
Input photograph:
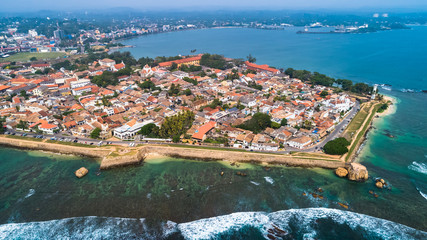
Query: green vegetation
point(214, 61)
point(2, 122)
point(337, 146)
point(258, 123)
point(284, 122)
point(150, 130)
point(382, 108)
point(148, 84)
point(190, 68)
point(190, 80)
point(174, 90)
point(321, 79)
point(25, 57)
point(25, 138)
point(71, 144)
point(251, 59)
point(362, 132)
point(95, 133)
point(177, 125)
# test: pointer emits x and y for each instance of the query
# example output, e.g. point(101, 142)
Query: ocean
point(183, 199)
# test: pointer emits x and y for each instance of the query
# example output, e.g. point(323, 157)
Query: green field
point(24, 57)
point(362, 132)
point(357, 121)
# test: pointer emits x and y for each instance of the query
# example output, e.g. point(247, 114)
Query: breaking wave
point(30, 193)
point(418, 167)
point(310, 223)
point(269, 180)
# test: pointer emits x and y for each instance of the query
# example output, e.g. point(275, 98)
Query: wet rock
point(357, 172)
point(81, 172)
point(379, 184)
point(341, 172)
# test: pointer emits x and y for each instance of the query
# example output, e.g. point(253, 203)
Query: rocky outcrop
point(357, 172)
point(380, 183)
point(81, 172)
point(341, 172)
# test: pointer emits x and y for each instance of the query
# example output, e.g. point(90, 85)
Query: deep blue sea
point(182, 199)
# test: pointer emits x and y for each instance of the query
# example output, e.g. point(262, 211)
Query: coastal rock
point(379, 184)
point(357, 172)
point(341, 172)
point(81, 172)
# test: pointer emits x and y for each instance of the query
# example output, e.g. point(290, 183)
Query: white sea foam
point(305, 219)
point(255, 183)
point(418, 167)
point(30, 193)
point(423, 194)
point(269, 180)
point(210, 227)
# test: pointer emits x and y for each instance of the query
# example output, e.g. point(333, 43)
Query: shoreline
point(364, 143)
point(114, 156)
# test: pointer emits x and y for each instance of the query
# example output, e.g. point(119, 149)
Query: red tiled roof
point(203, 130)
point(180, 61)
point(264, 67)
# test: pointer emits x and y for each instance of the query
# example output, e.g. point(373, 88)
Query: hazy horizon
point(194, 5)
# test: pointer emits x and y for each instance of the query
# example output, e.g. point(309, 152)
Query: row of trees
point(321, 79)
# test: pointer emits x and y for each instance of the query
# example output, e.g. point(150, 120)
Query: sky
point(35, 5)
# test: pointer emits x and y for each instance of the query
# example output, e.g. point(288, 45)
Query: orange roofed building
point(261, 68)
point(187, 61)
point(200, 134)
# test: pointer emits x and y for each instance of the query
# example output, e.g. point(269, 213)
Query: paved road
point(339, 129)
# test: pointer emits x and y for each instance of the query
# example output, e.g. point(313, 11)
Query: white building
point(79, 83)
point(300, 142)
point(130, 129)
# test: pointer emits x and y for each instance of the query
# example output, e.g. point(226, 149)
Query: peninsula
point(203, 106)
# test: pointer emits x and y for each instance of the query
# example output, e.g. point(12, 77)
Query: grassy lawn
point(24, 57)
point(117, 154)
point(357, 121)
point(362, 132)
point(71, 144)
point(24, 138)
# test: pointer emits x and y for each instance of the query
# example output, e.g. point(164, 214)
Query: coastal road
point(339, 129)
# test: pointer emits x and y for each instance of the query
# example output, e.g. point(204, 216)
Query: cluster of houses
point(68, 102)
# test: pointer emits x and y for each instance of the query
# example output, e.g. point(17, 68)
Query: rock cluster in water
point(354, 172)
point(81, 172)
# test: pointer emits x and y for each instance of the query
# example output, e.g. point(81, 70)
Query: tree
point(105, 79)
point(251, 59)
point(323, 94)
point(33, 59)
point(258, 122)
point(187, 92)
point(174, 66)
point(95, 133)
point(346, 85)
point(284, 122)
point(214, 61)
point(150, 130)
point(177, 125)
point(337, 146)
point(22, 124)
point(275, 125)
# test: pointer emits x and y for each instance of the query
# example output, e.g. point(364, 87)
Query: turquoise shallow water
point(40, 187)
